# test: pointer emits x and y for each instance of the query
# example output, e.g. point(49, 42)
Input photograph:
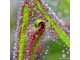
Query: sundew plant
point(36, 19)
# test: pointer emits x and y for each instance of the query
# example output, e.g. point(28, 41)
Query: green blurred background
point(62, 10)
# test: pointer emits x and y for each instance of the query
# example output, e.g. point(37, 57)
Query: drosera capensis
point(35, 21)
point(59, 31)
point(23, 37)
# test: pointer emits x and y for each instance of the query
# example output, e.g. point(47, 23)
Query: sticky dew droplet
point(66, 48)
point(53, 39)
point(35, 55)
point(45, 52)
point(67, 52)
point(48, 36)
point(47, 46)
point(64, 45)
point(43, 56)
point(13, 57)
point(59, 43)
point(63, 51)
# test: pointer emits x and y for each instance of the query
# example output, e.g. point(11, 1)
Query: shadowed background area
point(62, 10)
